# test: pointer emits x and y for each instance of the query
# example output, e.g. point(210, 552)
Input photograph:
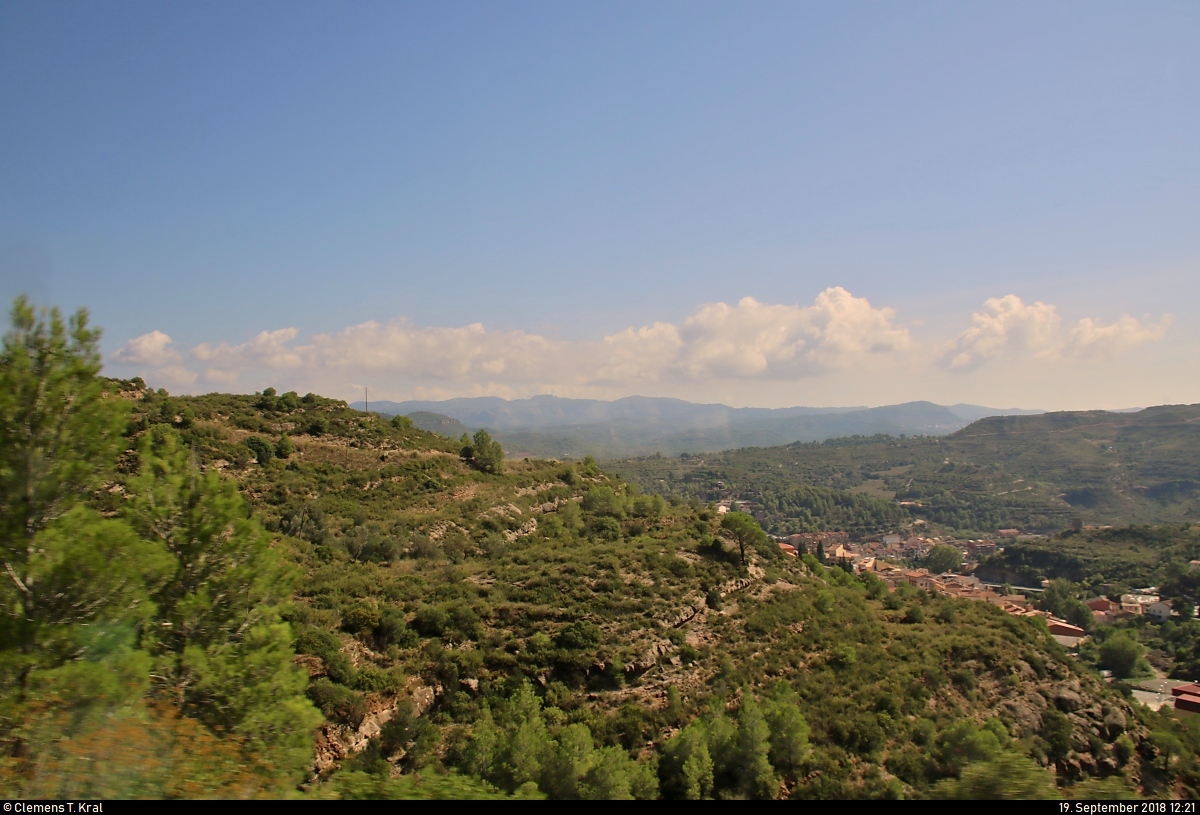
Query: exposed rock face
point(1024, 712)
point(335, 742)
point(527, 528)
point(314, 665)
point(684, 615)
point(1114, 724)
point(1067, 700)
point(423, 697)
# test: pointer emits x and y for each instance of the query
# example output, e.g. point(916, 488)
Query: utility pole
point(366, 402)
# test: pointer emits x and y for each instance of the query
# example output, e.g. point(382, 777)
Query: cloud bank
point(1007, 327)
point(746, 344)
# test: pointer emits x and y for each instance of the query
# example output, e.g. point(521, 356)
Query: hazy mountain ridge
point(569, 428)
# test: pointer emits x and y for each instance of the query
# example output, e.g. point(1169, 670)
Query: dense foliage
point(1035, 473)
point(148, 637)
point(1130, 556)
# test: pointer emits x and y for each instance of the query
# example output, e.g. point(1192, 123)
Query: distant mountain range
point(554, 427)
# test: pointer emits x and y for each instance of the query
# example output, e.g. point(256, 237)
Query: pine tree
point(59, 439)
point(97, 606)
point(755, 776)
point(221, 651)
point(789, 728)
point(686, 770)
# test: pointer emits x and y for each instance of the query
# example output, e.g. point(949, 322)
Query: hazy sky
point(754, 203)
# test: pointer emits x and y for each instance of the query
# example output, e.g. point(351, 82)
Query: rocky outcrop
point(527, 528)
point(336, 742)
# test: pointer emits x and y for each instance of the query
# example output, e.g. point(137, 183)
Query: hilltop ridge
point(550, 426)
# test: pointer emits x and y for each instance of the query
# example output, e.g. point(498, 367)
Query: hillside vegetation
point(273, 594)
point(1034, 473)
point(1132, 556)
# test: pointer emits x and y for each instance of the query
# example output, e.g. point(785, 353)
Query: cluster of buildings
point(1187, 697)
point(1108, 611)
point(889, 547)
point(873, 557)
point(967, 587)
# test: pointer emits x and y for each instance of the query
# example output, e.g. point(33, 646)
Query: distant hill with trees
point(436, 423)
point(554, 427)
point(1034, 473)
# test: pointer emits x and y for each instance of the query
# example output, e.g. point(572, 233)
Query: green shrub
point(262, 449)
point(316, 642)
point(392, 630)
point(338, 702)
point(372, 679)
point(431, 621)
point(360, 617)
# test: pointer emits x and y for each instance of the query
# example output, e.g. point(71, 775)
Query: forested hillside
point(1034, 473)
point(1126, 555)
point(274, 595)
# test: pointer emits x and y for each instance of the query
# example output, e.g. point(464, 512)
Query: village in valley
point(889, 558)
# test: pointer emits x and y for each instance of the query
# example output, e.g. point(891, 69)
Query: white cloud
point(1002, 324)
point(269, 349)
point(152, 349)
point(435, 353)
point(635, 354)
point(1091, 338)
point(751, 340)
point(754, 339)
point(215, 376)
point(174, 376)
point(1006, 326)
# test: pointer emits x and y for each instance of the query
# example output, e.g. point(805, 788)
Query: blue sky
point(996, 203)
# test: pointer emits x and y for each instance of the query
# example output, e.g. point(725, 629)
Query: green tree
point(1121, 653)
point(221, 650)
point(789, 728)
point(483, 749)
point(59, 433)
point(755, 776)
point(603, 501)
point(686, 769)
point(1057, 731)
point(570, 761)
point(484, 454)
point(614, 776)
point(1061, 599)
point(1008, 776)
point(744, 530)
point(263, 450)
point(527, 744)
point(722, 738)
point(943, 558)
point(98, 607)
